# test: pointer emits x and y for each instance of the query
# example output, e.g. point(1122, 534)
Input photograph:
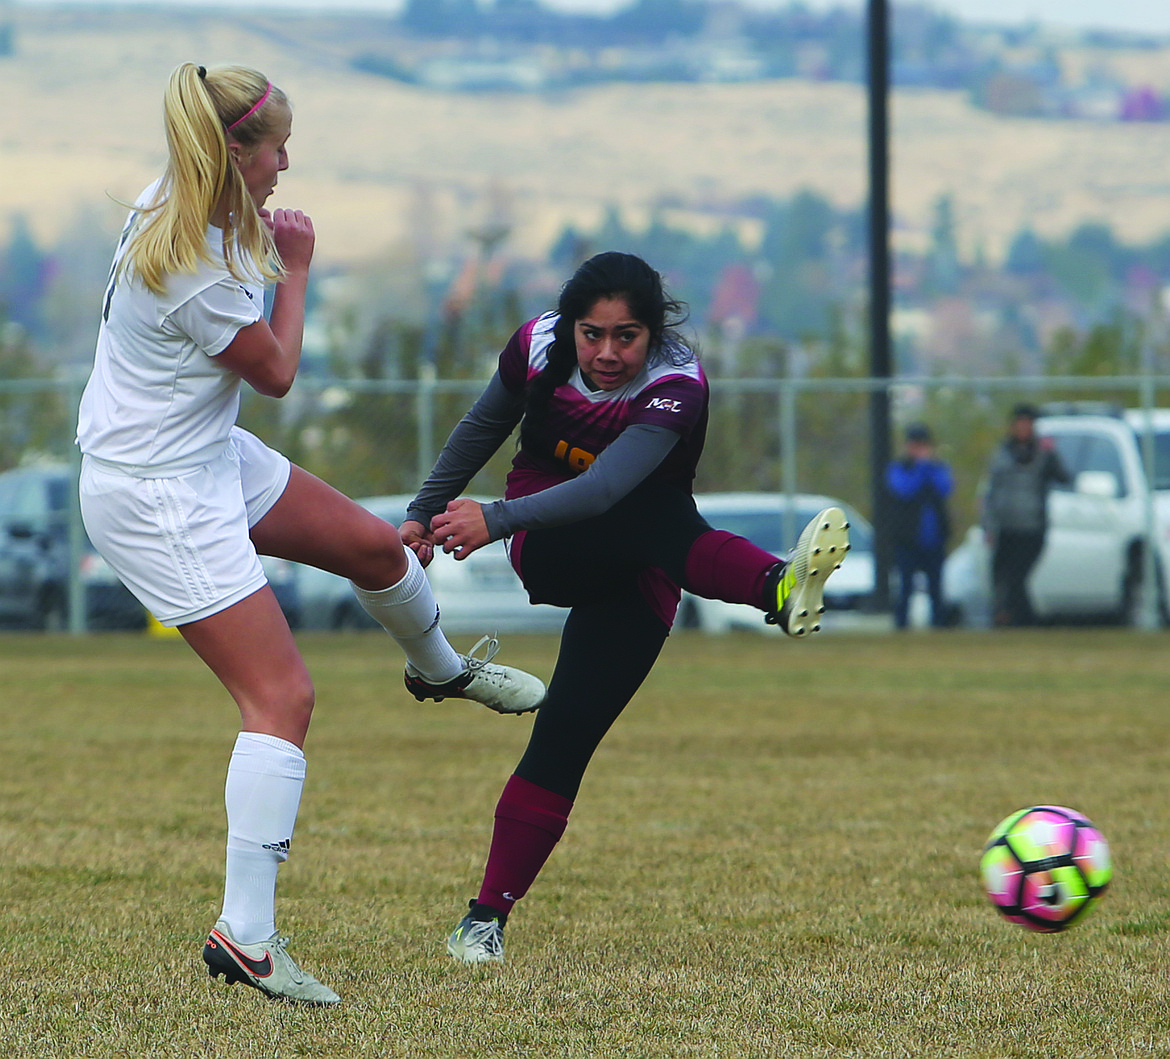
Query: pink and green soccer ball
point(1044, 867)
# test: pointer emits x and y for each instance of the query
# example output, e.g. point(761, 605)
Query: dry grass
point(380, 164)
point(775, 853)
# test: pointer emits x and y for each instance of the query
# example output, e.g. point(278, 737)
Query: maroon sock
point(529, 822)
point(721, 565)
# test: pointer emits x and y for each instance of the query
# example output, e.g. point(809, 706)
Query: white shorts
point(181, 543)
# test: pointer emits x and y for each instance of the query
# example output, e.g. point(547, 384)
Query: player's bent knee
point(301, 696)
point(379, 558)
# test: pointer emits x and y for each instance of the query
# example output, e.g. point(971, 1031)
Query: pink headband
point(258, 104)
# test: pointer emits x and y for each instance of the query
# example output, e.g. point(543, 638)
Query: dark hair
point(607, 275)
point(919, 432)
point(1025, 411)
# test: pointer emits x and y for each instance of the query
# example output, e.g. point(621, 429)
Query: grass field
point(774, 854)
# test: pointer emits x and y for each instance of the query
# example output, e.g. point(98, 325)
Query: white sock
point(262, 795)
point(409, 613)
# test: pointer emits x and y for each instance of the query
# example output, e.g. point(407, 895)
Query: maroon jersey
point(581, 422)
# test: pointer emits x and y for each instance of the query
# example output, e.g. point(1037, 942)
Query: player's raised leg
point(798, 587)
point(315, 524)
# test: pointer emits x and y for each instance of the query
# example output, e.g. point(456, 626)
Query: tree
point(38, 419)
point(1109, 348)
point(799, 293)
point(441, 18)
point(23, 268)
point(1025, 255)
point(942, 259)
point(657, 19)
point(1088, 267)
point(71, 298)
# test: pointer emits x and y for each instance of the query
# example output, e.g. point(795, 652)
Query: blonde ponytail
point(170, 235)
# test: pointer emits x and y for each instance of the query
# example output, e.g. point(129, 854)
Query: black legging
point(612, 636)
point(607, 650)
point(1015, 554)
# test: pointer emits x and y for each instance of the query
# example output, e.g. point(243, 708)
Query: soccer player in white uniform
point(180, 501)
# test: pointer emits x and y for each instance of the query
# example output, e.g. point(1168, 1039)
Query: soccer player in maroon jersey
point(612, 407)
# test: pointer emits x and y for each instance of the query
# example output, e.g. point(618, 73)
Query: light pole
point(879, 288)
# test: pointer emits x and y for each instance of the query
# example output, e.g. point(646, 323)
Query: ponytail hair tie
point(203, 73)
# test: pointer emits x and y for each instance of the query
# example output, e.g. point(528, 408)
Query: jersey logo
point(258, 968)
point(664, 404)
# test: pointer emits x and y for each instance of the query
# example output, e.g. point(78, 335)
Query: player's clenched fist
point(293, 233)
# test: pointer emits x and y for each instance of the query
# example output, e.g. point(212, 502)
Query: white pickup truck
point(1099, 524)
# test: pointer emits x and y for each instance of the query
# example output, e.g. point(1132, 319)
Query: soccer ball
point(1045, 866)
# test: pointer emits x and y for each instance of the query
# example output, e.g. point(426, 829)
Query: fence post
point(787, 395)
point(1148, 616)
point(425, 418)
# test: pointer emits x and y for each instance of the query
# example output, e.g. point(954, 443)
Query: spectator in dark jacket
point(1015, 513)
point(919, 484)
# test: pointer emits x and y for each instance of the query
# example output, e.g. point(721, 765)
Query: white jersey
point(157, 400)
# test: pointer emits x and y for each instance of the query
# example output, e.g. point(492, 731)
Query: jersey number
point(113, 280)
point(576, 458)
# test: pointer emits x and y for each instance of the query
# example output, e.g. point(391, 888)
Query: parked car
point(479, 594)
point(35, 507)
point(285, 584)
point(35, 561)
point(1093, 563)
point(773, 521)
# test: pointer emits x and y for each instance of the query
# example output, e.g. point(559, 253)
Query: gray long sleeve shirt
point(1019, 479)
point(617, 470)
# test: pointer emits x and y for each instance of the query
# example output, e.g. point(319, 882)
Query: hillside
point(378, 163)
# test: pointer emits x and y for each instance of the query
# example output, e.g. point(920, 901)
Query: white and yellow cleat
point(477, 940)
point(800, 583)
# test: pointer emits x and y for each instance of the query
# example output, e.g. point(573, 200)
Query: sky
point(1142, 15)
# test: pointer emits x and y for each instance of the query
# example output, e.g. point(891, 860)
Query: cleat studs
point(816, 628)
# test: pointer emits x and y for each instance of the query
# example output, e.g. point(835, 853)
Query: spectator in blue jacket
point(919, 484)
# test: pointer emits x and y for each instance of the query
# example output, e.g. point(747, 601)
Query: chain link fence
point(800, 435)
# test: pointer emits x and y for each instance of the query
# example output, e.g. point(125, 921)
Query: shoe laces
point(485, 933)
point(476, 664)
point(279, 946)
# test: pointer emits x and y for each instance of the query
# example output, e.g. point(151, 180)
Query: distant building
point(1143, 104)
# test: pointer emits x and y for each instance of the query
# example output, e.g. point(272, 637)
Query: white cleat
point(264, 965)
point(499, 688)
point(800, 586)
point(477, 941)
